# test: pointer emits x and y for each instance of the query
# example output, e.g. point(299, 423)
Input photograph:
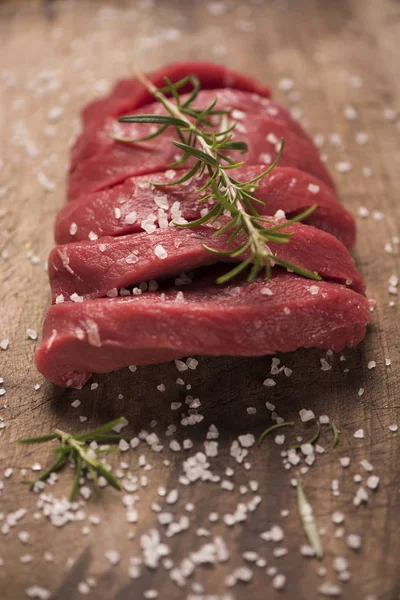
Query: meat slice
point(118, 161)
point(130, 94)
point(126, 207)
point(236, 319)
point(89, 142)
point(94, 268)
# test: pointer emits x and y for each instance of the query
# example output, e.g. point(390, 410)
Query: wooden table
point(335, 54)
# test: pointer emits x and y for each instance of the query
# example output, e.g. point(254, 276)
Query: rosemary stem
point(259, 248)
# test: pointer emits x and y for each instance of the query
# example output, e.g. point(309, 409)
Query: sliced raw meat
point(114, 202)
point(124, 208)
point(106, 334)
point(121, 160)
point(242, 105)
point(130, 94)
point(94, 269)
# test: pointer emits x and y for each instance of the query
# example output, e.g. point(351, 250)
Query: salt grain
point(285, 84)
point(313, 188)
point(130, 218)
point(353, 541)
point(343, 167)
point(269, 382)
point(330, 589)
point(247, 440)
point(306, 415)
point(76, 298)
point(278, 582)
point(325, 366)
point(160, 252)
point(373, 482)
point(4, 343)
point(113, 556)
point(350, 113)
point(359, 434)
point(314, 290)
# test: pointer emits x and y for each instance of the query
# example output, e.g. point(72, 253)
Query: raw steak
point(126, 207)
point(94, 268)
point(89, 142)
point(106, 334)
point(128, 94)
point(115, 161)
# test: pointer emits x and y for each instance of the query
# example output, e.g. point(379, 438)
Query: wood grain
point(321, 46)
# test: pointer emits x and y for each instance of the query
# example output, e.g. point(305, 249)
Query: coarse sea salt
point(343, 166)
point(353, 541)
point(130, 218)
point(313, 188)
point(160, 252)
point(266, 291)
point(306, 415)
point(76, 298)
point(359, 434)
point(73, 228)
point(325, 366)
point(286, 84)
point(269, 382)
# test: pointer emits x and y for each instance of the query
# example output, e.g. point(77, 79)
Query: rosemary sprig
point(74, 447)
point(208, 148)
point(307, 518)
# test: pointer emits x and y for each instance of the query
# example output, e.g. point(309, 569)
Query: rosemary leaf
point(112, 480)
point(56, 466)
point(235, 271)
point(272, 428)
point(307, 518)
point(312, 440)
point(146, 138)
point(186, 177)
point(300, 217)
point(90, 435)
point(209, 160)
point(201, 220)
point(156, 119)
point(39, 440)
point(336, 432)
point(296, 269)
point(271, 167)
point(78, 473)
point(242, 146)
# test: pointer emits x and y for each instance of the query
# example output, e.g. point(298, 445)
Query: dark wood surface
point(327, 49)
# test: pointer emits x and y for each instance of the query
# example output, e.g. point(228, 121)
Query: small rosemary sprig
point(232, 198)
point(74, 448)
